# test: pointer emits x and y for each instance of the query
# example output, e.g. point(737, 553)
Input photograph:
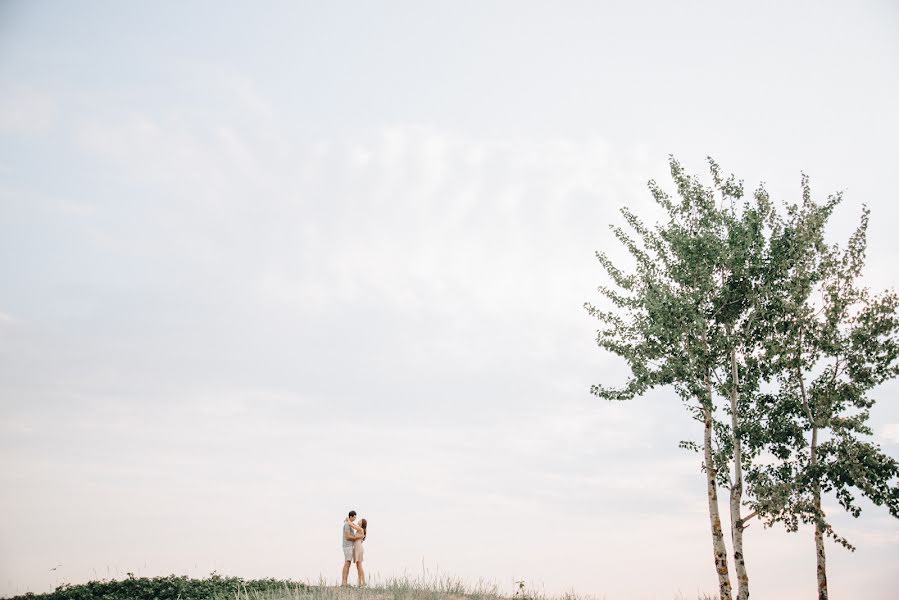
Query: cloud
point(408, 216)
point(259, 318)
point(25, 110)
point(15, 427)
point(890, 433)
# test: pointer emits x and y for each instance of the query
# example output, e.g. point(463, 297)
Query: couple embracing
point(353, 536)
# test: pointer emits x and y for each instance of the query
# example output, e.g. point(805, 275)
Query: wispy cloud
point(26, 110)
point(890, 433)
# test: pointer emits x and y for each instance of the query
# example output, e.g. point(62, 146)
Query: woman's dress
point(358, 551)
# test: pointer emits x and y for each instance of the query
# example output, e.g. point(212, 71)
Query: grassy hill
point(217, 587)
point(171, 587)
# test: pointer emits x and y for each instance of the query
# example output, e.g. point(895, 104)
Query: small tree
point(828, 343)
point(684, 318)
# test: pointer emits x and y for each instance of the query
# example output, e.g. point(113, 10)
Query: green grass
point(172, 587)
point(217, 587)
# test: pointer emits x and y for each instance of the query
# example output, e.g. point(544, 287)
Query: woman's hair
point(364, 525)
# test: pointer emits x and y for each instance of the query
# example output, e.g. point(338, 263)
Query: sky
point(264, 263)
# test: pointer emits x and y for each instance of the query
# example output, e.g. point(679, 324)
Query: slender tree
point(745, 280)
point(828, 342)
point(683, 318)
point(728, 297)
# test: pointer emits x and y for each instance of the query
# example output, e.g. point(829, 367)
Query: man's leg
point(346, 572)
point(360, 572)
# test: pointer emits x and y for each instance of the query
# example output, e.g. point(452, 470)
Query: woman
point(361, 531)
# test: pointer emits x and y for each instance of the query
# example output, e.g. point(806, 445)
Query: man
point(349, 537)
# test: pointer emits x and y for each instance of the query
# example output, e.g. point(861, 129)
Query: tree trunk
point(736, 488)
point(736, 530)
point(718, 547)
point(819, 525)
point(819, 552)
point(821, 559)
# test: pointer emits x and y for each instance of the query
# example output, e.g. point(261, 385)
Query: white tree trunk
point(819, 553)
point(821, 559)
point(736, 488)
point(737, 539)
point(718, 547)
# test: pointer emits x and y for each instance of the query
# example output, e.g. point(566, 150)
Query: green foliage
point(694, 297)
point(736, 299)
point(660, 314)
point(828, 343)
point(171, 587)
point(688, 317)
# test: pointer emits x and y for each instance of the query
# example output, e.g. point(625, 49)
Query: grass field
point(217, 587)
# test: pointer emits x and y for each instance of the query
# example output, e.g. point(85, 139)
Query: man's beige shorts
point(348, 553)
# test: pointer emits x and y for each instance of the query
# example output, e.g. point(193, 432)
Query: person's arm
point(347, 535)
point(355, 527)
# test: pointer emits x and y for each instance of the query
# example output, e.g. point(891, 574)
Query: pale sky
point(269, 262)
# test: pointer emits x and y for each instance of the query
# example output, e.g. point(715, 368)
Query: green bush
point(172, 587)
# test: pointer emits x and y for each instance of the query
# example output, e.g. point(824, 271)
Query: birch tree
point(745, 278)
point(681, 319)
point(829, 342)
